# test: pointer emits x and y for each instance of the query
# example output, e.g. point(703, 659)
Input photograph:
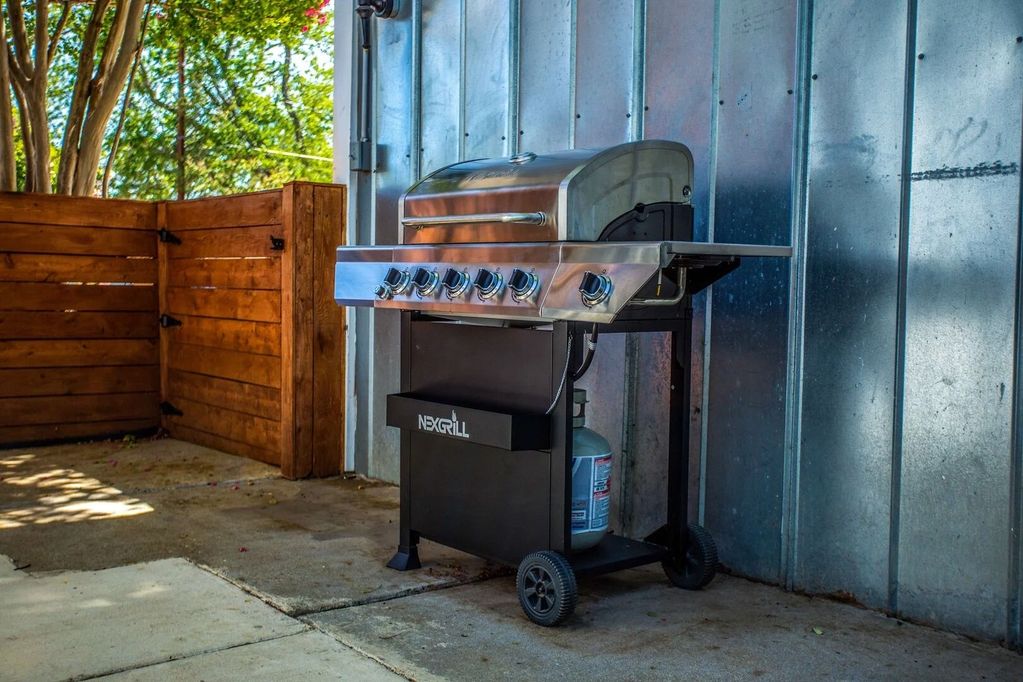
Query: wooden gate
point(78, 335)
point(251, 341)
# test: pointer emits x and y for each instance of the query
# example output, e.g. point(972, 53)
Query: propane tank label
point(601, 493)
point(591, 493)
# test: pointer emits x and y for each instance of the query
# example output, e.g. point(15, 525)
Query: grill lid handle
point(538, 218)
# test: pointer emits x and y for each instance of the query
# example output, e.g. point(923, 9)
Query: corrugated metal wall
point(859, 431)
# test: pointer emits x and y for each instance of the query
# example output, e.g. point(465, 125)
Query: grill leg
point(678, 438)
point(407, 556)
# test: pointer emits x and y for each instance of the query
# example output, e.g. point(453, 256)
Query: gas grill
point(507, 273)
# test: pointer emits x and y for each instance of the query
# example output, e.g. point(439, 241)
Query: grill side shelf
point(505, 430)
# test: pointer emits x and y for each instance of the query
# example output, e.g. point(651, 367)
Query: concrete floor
point(165, 560)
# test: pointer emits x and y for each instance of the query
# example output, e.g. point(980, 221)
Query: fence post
point(161, 301)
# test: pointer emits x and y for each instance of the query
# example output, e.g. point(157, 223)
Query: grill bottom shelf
point(615, 553)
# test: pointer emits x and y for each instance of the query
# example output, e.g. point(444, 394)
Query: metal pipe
point(674, 300)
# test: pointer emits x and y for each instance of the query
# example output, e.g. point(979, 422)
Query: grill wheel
point(547, 588)
point(698, 567)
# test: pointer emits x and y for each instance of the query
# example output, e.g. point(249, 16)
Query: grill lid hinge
point(168, 237)
point(168, 409)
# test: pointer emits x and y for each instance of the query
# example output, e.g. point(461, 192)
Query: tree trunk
point(80, 99)
point(8, 169)
point(179, 148)
point(107, 86)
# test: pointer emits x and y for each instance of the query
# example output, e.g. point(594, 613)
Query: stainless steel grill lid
point(569, 195)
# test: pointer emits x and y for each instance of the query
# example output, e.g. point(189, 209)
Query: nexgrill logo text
point(449, 427)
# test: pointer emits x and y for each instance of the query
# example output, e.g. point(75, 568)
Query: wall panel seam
point(797, 298)
point(898, 417)
point(1014, 625)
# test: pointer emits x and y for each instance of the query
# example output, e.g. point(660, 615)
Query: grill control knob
point(595, 289)
point(456, 282)
point(397, 281)
point(425, 280)
point(383, 292)
point(488, 284)
point(523, 285)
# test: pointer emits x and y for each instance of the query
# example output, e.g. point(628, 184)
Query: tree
point(67, 70)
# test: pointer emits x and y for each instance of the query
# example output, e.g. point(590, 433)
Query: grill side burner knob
point(523, 285)
point(396, 280)
point(425, 280)
point(595, 289)
point(488, 284)
point(456, 282)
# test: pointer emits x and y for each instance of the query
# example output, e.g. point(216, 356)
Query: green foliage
point(244, 130)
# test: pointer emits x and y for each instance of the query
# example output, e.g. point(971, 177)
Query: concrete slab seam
point(215, 650)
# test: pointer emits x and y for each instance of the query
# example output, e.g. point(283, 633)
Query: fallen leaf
point(817, 630)
point(243, 549)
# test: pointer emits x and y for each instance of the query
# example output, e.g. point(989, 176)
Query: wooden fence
point(79, 354)
point(234, 343)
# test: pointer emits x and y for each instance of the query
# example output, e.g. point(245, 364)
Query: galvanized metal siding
point(749, 324)
point(960, 310)
point(852, 265)
point(861, 428)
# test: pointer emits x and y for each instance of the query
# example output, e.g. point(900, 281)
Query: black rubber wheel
point(547, 589)
point(700, 564)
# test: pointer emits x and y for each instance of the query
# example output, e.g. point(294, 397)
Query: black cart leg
point(694, 558)
point(678, 437)
point(407, 556)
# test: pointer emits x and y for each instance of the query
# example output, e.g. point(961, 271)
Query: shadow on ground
point(302, 545)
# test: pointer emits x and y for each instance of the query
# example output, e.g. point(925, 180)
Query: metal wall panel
point(678, 69)
point(747, 382)
point(546, 75)
point(486, 82)
point(441, 107)
point(852, 270)
point(395, 112)
point(953, 565)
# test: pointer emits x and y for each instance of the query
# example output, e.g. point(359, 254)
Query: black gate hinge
point(168, 237)
point(168, 321)
point(169, 410)
point(276, 243)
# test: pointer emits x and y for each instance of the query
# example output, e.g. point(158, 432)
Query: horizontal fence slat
point(78, 408)
point(79, 352)
point(60, 297)
point(225, 242)
point(256, 306)
point(53, 325)
point(210, 440)
point(259, 208)
point(259, 401)
point(44, 432)
point(57, 209)
point(232, 273)
point(262, 338)
point(72, 240)
point(263, 370)
point(30, 267)
point(78, 380)
point(243, 428)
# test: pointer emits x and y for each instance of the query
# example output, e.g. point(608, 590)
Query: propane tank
point(591, 479)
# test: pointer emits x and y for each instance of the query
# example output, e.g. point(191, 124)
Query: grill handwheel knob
point(488, 284)
point(523, 285)
point(456, 282)
point(595, 289)
point(425, 281)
